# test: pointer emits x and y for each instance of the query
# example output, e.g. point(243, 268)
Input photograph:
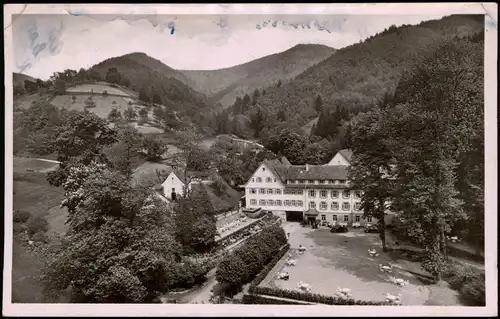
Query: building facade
point(307, 192)
point(175, 186)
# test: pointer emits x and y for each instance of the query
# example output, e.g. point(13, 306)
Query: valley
point(131, 177)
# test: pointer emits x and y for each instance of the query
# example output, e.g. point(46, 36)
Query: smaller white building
point(175, 184)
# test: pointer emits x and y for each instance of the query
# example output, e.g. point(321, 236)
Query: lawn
point(104, 104)
point(31, 192)
point(96, 88)
point(338, 260)
point(34, 194)
point(24, 164)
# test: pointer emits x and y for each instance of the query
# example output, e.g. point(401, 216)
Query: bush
point(37, 224)
point(21, 216)
point(230, 270)
point(248, 260)
point(104, 92)
point(473, 293)
point(458, 274)
point(258, 279)
point(315, 298)
point(261, 300)
point(18, 228)
point(39, 237)
point(468, 281)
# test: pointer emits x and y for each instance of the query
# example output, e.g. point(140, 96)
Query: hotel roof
point(285, 171)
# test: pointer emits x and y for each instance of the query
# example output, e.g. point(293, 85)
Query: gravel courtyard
point(341, 260)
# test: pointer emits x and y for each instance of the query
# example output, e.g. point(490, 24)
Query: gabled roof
point(317, 172)
point(180, 175)
point(146, 173)
point(347, 153)
point(285, 161)
point(277, 168)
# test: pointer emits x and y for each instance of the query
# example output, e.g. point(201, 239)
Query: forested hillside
point(224, 85)
point(155, 83)
point(354, 77)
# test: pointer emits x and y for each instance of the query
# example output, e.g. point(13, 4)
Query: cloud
point(199, 42)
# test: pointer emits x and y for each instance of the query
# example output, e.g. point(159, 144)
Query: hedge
point(248, 260)
point(310, 297)
point(244, 232)
point(262, 300)
point(258, 279)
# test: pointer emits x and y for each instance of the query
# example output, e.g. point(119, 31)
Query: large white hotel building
point(306, 192)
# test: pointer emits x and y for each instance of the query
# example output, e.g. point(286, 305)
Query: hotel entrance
point(294, 216)
point(310, 216)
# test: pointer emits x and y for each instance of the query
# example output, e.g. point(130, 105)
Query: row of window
point(321, 181)
point(298, 203)
point(260, 179)
point(278, 202)
point(271, 179)
point(346, 218)
point(312, 193)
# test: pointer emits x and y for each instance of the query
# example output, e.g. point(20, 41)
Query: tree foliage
point(121, 247)
point(195, 221)
point(440, 100)
point(153, 147)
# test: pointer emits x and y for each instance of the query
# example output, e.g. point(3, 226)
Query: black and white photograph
point(226, 157)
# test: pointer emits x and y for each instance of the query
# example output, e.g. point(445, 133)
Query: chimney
point(307, 167)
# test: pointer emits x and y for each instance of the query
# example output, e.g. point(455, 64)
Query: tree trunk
point(381, 222)
point(477, 244)
point(442, 241)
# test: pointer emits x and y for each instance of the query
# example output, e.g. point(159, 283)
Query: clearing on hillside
point(98, 89)
point(104, 104)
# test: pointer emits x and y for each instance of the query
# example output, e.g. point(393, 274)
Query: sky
point(44, 44)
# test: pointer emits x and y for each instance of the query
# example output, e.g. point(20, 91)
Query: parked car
point(339, 229)
point(371, 229)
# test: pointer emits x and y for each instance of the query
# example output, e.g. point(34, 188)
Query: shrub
point(114, 102)
point(39, 237)
point(104, 92)
point(310, 297)
point(262, 300)
point(473, 293)
point(18, 228)
point(89, 103)
point(468, 281)
point(258, 279)
point(21, 216)
point(230, 270)
point(248, 260)
point(37, 224)
point(458, 274)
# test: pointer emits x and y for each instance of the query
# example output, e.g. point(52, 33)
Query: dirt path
point(47, 160)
